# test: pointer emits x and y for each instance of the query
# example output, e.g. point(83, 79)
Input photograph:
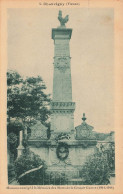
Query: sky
point(31, 52)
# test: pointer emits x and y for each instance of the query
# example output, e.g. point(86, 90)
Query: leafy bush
point(11, 172)
point(26, 162)
point(110, 154)
point(12, 141)
point(96, 170)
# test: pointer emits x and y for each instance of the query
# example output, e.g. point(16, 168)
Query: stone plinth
point(20, 150)
point(78, 152)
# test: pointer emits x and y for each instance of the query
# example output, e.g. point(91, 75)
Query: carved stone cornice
point(61, 33)
point(62, 105)
point(62, 111)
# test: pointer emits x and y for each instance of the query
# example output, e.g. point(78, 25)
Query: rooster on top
point(61, 19)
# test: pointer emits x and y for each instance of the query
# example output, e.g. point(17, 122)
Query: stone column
point(20, 147)
point(62, 107)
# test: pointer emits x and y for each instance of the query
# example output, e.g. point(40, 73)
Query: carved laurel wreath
point(62, 136)
point(61, 63)
point(62, 151)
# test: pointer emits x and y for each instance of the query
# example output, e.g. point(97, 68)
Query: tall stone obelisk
point(62, 107)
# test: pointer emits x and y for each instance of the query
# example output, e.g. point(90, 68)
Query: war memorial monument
point(68, 147)
point(65, 150)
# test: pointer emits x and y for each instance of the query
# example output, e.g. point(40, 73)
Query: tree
point(26, 99)
point(14, 81)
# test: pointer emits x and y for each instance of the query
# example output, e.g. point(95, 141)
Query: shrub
point(96, 170)
point(110, 154)
point(12, 142)
point(11, 172)
point(26, 162)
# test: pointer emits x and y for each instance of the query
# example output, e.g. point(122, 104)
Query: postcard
point(61, 96)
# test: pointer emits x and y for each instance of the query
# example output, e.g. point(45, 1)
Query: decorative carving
point(68, 161)
point(62, 136)
point(68, 106)
point(59, 136)
point(62, 63)
point(38, 144)
point(62, 151)
point(84, 131)
point(63, 103)
point(38, 131)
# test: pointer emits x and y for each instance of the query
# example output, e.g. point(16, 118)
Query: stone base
point(20, 150)
point(77, 155)
point(63, 171)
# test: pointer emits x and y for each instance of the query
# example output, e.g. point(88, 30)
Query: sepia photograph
point(60, 96)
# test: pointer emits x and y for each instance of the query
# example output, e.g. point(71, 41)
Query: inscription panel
point(62, 50)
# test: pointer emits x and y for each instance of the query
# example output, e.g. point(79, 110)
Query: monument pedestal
point(20, 150)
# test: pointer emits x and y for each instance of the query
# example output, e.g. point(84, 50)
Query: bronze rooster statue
point(62, 20)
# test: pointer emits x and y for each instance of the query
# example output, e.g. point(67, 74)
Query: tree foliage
point(26, 99)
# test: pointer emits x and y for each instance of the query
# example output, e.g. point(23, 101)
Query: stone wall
point(77, 155)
